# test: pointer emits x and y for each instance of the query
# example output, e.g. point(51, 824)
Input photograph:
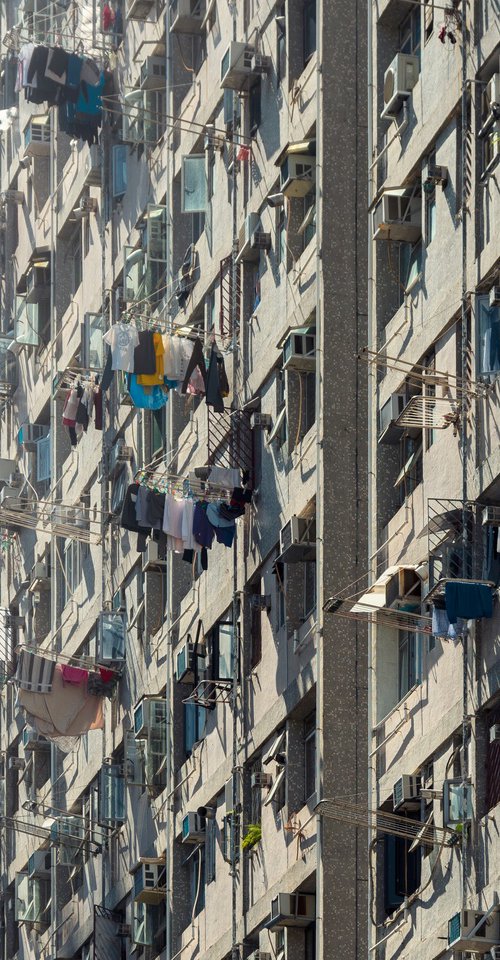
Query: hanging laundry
point(155, 378)
point(469, 600)
point(24, 59)
point(57, 65)
point(188, 537)
point(172, 522)
point(128, 518)
point(225, 528)
point(108, 18)
point(146, 398)
point(34, 672)
point(98, 408)
point(40, 88)
point(228, 477)
point(197, 360)
point(144, 353)
point(67, 710)
point(150, 508)
point(203, 530)
point(123, 338)
point(74, 674)
point(214, 394)
point(441, 626)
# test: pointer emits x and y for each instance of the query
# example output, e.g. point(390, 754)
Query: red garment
point(106, 675)
point(74, 674)
point(107, 17)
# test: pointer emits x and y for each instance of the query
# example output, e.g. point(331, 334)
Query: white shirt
point(123, 339)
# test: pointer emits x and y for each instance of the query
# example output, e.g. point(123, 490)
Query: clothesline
point(181, 485)
point(83, 661)
point(422, 374)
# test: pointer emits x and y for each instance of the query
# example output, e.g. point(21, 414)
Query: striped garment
point(34, 672)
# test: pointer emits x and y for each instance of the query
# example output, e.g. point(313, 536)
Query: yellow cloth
point(154, 379)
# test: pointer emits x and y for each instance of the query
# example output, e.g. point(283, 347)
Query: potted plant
point(252, 836)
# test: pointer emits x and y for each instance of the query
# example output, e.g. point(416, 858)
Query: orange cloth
point(154, 379)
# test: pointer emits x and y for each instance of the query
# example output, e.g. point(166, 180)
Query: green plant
point(252, 836)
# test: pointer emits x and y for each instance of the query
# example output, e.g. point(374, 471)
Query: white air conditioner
point(494, 297)
point(298, 540)
point(406, 793)
point(151, 563)
point(213, 140)
point(153, 73)
point(494, 732)
point(89, 205)
point(17, 763)
point(37, 137)
point(10, 498)
point(261, 781)
point(398, 216)
point(297, 174)
point(32, 739)
point(32, 433)
point(399, 80)
point(261, 64)
point(236, 69)
point(40, 578)
point(39, 864)
point(389, 413)
point(186, 16)
point(120, 454)
point(261, 421)
point(259, 955)
point(299, 350)
point(245, 249)
point(184, 671)
point(149, 883)
point(461, 927)
point(149, 714)
point(292, 910)
point(92, 166)
point(138, 9)
point(193, 828)
point(12, 196)
point(490, 104)
point(490, 516)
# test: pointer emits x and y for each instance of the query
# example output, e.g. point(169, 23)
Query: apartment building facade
point(434, 699)
point(223, 203)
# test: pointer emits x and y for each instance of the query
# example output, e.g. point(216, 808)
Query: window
point(256, 794)
point(488, 325)
point(72, 569)
point(280, 606)
point(430, 391)
point(281, 234)
point(222, 648)
point(430, 203)
point(210, 850)
point(309, 400)
point(409, 664)
point(112, 794)
point(309, 589)
point(409, 33)
point(492, 761)
point(310, 755)
point(197, 880)
point(194, 725)
point(402, 871)
point(111, 636)
point(255, 625)
point(254, 107)
point(309, 27)
point(43, 459)
point(158, 428)
point(428, 19)
point(307, 229)
point(194, 184)
point(491, 148)
point(210, 173)
point(410, 266)
point(119, 490)
point(282, 433)
point(280, 41)
point(153, 113)
point(119, 169)
point(411, 462)
point(92, 350)
point(74, 258)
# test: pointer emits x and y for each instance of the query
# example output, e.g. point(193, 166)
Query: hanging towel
point(214, 395)
point(34, 672)
point(74, 674)
point(471, 600)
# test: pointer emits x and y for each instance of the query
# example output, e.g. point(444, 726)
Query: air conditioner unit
point(17, 763)
point(260, 601)
point(88, 205)
point(299, 351)
point(398, 216)
point(297, 175)
point(261, 421)
point(37, 137)
point(490, 106)
point(435, 176)
point(32, 433)
point(406, 793)
point(38, 282)
point(148, 714)
point(494, 732)
point(120, 454)
point(213, 140)
point(462, 925)
point(186, 16)
point(40, 578)
point(153, 73)
point(123, 929)
point(236, 69)
point(245, 249)
point(193, 828)
point(259, 955)
point(389, 413)
point(151, 563)
point(261, 64)
point(494, 297)
point(261, 241)
point(138, 9)
point(399, 80)
point(10, 498)
point(39, 864)
point(12, 196)
point(298, 540)
point(16, 480)
point(261, 781)
point(149, 883)
point(490, 516)
point(184, 671)
point(92, 166)
point(32, 739)
point(292, 910)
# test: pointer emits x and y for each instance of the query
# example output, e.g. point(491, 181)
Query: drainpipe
point(319, 493)
point(370, 457)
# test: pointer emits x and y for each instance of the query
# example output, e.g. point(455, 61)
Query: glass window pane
point(112, 636)
point(489, 336)
point(225, 644)
point(194, 184)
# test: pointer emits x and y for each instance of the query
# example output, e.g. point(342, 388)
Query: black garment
point(98, 408)
point(108, 373)
point(73, 439)
point(214, 395)
point(230, 512)
point(128, 518)
point(82, 414)
point(197, 360)
point(144, 353)
point(223, 381)
point(240, 496)
point(58, 62)
point(45, 89)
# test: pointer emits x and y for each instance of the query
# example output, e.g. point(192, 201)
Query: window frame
point(310, 747)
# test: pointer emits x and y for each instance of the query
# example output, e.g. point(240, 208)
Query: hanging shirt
point(172, 522)
point(25, 54)
point(469, 600)
point(187, 526)
point(176, 356)
point(144, 353)
point(70, 408)
point(156, 378)
point(123, 338)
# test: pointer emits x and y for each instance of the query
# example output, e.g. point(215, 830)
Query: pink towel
point(74, 674)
